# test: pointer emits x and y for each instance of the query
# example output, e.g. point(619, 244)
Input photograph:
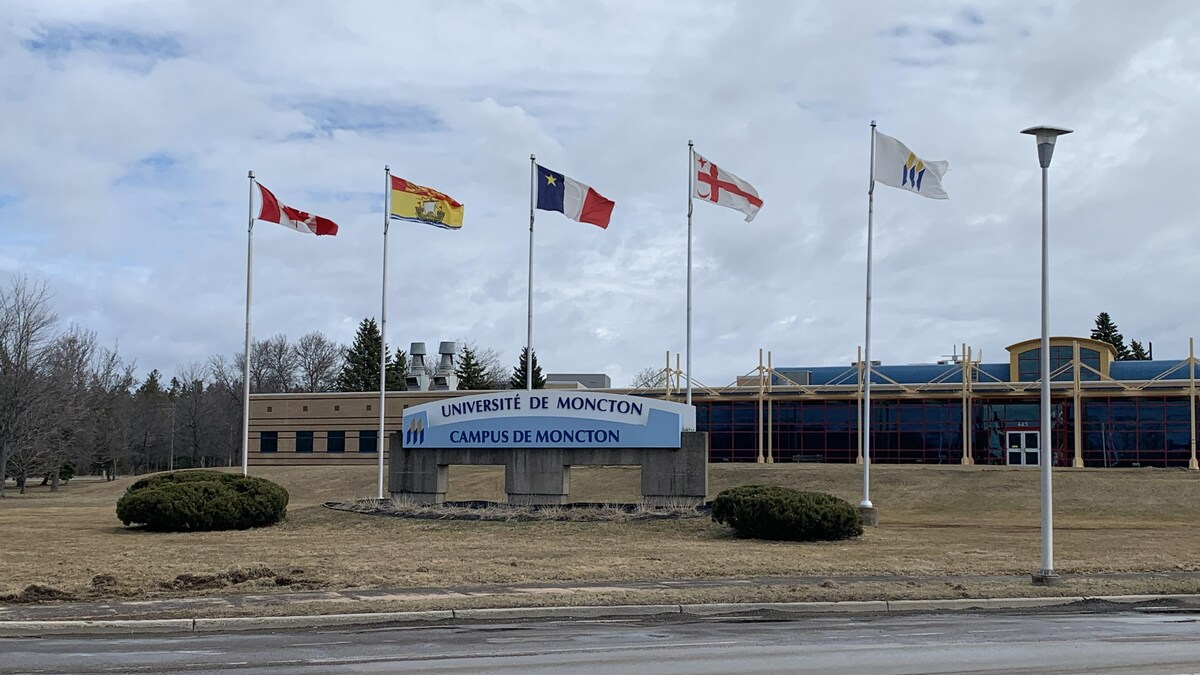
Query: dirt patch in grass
point(608, 513)
point(933, 521)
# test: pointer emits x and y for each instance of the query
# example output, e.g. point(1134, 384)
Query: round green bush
point(779, 513)
point(202, 500)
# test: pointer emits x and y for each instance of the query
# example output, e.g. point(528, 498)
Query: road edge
point(25, 628)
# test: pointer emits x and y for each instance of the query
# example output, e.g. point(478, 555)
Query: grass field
point(954, 521)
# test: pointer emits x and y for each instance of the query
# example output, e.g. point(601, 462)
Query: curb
point(211, 625)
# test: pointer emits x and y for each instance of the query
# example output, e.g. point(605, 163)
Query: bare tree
point(649, 378)
point(66, 416)
point(192, 408)
point(112, 405)
point(259, 373)
point(26, 326)
point(318, 362)
point(280, 364)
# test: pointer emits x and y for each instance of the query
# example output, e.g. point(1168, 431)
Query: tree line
point(70, 405)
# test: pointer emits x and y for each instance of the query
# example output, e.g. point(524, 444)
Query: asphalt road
point(1127, 642)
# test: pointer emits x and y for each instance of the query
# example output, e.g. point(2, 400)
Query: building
point(578, 381)
point(1105, 413)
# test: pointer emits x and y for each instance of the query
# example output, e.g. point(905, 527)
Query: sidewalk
point(317, 608)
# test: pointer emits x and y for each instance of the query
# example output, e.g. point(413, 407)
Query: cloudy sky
point(127, 129)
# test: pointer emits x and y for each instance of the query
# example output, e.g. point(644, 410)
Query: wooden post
point(770, 411)
point(967, 367)
point(678, 372)
point(1077, 462)
point(759, 436)
point(667, 374)
point(1192, 465)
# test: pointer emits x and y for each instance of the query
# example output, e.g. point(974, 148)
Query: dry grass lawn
point(957, 521)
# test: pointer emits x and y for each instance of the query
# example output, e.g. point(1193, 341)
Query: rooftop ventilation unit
point(417, 378)
point(444, 378)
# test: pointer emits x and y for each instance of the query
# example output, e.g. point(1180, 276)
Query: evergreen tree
point(517, 381)
point(471, 373)
point(361, 369)
point(1106, 331)
point(397, 367)
point(1137, 352)
point(152, 387)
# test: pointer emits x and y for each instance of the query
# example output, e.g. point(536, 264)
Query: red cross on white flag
point(712, 184)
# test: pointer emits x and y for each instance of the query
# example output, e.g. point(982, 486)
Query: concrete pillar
point(538, 477)
point(415, 475)
point(677, 478)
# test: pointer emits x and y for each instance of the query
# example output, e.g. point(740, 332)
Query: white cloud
point(129, 129)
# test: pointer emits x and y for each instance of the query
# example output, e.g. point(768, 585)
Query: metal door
point(1023, 447)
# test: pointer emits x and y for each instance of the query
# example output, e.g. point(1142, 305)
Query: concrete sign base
point(670, 476)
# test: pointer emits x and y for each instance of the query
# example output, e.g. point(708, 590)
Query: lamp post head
point(1045, 141)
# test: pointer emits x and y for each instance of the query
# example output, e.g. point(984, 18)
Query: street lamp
point(1045, 145)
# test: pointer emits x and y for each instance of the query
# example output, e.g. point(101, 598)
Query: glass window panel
point(304, 441)
point(368, 440)
point(840, 416)
point(813, 413)
point(745, 413)
point(335, 441)
point(1122, 410)
point(1151, 441)
point(910, 412)
point(268, 441)
point(1175, 412)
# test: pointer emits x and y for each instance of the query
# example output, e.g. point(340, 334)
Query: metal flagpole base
point(869, 514)
point(1045, 578)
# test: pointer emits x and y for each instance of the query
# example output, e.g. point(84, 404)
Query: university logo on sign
point(547, 419)
point(415, 434)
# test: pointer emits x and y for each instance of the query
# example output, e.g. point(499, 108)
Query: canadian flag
point(722, 188)
point(274, 212)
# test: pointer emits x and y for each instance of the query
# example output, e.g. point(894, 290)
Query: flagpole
point(529, 302)
point(688, 346)
point(866, 420)
point(246, 360)
point(380, 445)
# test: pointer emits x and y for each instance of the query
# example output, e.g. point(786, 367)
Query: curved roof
point(1063, 341)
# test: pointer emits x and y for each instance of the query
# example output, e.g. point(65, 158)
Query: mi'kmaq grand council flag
point(715, 185)
point(420, 204)
point(579, 202)
point(273, 212)
point(899, 167)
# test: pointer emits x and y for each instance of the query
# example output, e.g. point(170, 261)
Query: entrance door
point(1024, 447)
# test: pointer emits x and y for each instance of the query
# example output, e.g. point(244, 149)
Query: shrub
point(779, 513)
point(202, 500)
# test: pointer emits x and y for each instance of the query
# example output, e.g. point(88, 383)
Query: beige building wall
point(286, 415)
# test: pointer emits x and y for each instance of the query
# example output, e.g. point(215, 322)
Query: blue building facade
point(1105, 413)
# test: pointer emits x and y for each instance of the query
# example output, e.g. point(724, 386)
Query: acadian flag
point(556, 192)
point(424, 205)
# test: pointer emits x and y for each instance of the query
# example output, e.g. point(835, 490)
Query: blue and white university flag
point(899, 167)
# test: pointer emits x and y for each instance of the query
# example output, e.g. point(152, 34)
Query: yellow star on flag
point(551, 180)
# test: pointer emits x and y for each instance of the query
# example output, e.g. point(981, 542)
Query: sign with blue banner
point(547, 419)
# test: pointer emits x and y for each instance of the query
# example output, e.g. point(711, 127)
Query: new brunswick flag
point(424, 205)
